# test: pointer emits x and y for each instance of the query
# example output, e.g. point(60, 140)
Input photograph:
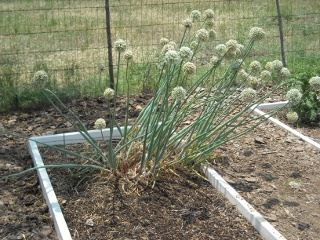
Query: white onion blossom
point(179, 93)
point(195, 15)
point(202, 35)
point(256, 34)
point(108, 93)
point(171, 56)
point(120, 45)
point(221, 49)
point(284, 73)
point(265, 75)
point(164, 41)
point(189, 68)
point(100, 124)
point(292, 117)
point(255, 67)
point(315, 83)
point(187, 23)
point(128, 55)
point(39, 79)
point(208, 14)
point(294, 96)
point(185, 53)
point(248, 95)
point(276, 66)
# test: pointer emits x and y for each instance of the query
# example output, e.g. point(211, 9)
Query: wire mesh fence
point(67, 38)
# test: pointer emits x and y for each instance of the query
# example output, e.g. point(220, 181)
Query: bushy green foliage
point(308, 108)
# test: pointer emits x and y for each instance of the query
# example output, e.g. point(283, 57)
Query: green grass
point(68, 38)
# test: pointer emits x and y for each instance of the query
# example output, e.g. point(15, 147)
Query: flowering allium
point(294, 96)
point(108, 93)
point(240, 62)
point(232, 45)
point(171, 56)
point(173, 44)
point(164, 41)
point(189, 68)
point(315, 83)
point(254, 82)
point(214, 60)
point(221, 49)
point(185, 53)
point(242, 75)
point(39, 79)
point(120, 45)
point(292, 117)
point(269, 66)
point(255, 67)
point(128, 55)
point(167, 48)
point(212, 34)
point(208, 14)
point(179, 93)
point(195, 15)
point(209, 23)
point(284, 73)
point(276, 66)
point(202, 35)
point(265, 75)
point(240, 49)
point(194, 44)
point(248, 94)
point(187, 23)
point(100, 124)
point(101, 67)
point(256, 34)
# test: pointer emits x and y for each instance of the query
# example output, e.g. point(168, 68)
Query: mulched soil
point(262, 166)
point(180, 206)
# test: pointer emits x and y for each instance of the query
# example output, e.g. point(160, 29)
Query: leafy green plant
point(220, 105)
point(304, 98)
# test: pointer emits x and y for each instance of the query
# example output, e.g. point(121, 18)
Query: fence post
point(281, 34)
point(108, 29)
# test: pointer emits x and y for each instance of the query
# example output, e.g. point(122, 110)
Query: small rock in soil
point(224, 160)
point(2, 150)
point(259, 140)
point(29, 200)
point(46, 230)
point(267, 165)
point(270, 202)
point(89, 222)
point(268, 177)
point(271, 218)
point(250, 179)
point(43, 209)
point(21, 183)
point(291, 204)
point(296, 175)
point(245, 187)
point(230, 181)
point(32, 218)
point(247, 153)
point(302, 226)
point(219, 203)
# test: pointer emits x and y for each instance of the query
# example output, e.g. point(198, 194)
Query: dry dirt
point(274, 171)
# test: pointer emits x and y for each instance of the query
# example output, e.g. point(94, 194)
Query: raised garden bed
point(266, 230)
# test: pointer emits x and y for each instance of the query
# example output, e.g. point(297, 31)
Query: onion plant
point(190, 114)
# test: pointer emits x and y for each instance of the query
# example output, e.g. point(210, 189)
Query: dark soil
point(260, 165)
